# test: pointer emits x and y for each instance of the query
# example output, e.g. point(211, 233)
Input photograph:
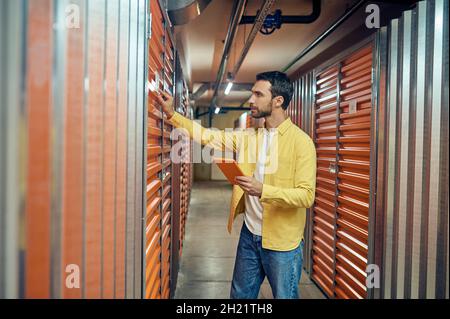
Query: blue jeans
point(282, 268)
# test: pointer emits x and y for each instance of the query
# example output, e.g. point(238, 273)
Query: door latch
point(333, 168)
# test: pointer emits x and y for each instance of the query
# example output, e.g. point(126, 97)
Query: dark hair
point(280, 85)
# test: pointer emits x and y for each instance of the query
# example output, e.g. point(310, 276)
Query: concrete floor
point(207, 262)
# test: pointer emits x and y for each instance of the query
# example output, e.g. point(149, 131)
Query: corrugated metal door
point(79, 211)
point(167, 174)
point(39, 108)
point(413, 168)
point(324, 210)
point(340, 214)
point(110, 148)
point(72, 190)
point(154, 159)
point(353, 175)
point(94, 159)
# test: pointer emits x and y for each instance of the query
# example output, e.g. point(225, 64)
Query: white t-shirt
point(253, 208)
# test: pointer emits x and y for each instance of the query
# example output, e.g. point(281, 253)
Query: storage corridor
point(104, 196)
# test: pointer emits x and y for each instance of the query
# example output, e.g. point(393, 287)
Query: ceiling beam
point(246, 87)
point(223, 109)
point(200, 91)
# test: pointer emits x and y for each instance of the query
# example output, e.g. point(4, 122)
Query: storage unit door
point(155, 191)
point(324, 210)
point(341, 209)
point(353, 175)
point(167, 175)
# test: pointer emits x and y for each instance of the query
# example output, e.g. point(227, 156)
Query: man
point(273, 202)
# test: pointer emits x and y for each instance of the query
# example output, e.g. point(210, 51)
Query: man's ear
point(279, 100)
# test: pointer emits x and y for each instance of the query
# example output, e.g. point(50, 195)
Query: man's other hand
point(250, 185)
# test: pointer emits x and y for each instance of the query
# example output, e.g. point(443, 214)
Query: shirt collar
point(283, 127)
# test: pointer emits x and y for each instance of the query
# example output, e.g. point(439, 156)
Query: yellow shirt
point(287, 191)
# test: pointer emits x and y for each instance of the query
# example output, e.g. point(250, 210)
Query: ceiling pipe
point(236, 15)
point(259, 21)
point(263, 12)
point(326, 33)
point(316, 9)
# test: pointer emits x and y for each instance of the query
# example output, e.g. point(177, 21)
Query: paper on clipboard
point(229, 168)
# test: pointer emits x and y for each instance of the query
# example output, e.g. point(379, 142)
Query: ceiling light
point(228, 89)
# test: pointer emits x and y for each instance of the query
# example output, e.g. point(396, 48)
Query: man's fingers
point(243, 182)
point(248, 190)
point(159, 99)
point(245, 186)
point(239, 182)
point(245, 189)
point(166, 95)
point(162, 94)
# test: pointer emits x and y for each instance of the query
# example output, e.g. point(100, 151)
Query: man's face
point(261, 100)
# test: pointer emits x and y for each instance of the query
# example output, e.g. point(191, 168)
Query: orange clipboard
point(229, 168)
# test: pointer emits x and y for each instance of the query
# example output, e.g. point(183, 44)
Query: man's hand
point(166, 101)
point(250, 185)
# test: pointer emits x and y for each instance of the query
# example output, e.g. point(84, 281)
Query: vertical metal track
point(336, 203)
point(13, 121)
point(377, 155)
point(59, 61)
point(147, 27)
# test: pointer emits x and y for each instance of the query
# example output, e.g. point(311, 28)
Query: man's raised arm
point(217, 139)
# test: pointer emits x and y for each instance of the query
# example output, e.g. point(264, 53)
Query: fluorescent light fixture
point(217, 110)
point(228, 89)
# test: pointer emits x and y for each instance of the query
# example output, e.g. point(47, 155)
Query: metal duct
point(182, 11)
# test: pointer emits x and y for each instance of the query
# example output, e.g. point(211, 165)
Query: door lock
point(333, 168)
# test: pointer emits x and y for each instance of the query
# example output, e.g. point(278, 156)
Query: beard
point(260, 114)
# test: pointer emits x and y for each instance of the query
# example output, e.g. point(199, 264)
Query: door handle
point(332, 168)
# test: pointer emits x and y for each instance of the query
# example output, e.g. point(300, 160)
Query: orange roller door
point(94, 143)
point(39, 98)
point(354, 174)
point(155, 161)
point(110, 133)
point(167, 177)
point(324, 207)
point(341, 210)
point(72, 252)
